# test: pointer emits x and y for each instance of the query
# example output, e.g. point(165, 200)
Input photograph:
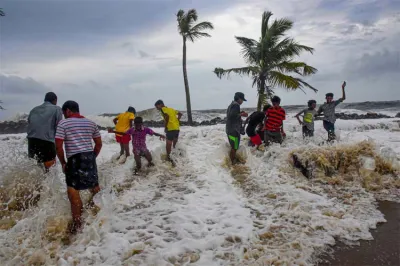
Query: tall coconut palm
point(270, 60)
point(2, 14)
point(190, 31)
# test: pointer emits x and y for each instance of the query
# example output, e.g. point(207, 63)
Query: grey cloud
point(374, 65)
point(23, 86)
point(143, 54)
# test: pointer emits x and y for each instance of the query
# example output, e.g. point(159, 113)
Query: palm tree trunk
point(185, 79)
point(261, 95)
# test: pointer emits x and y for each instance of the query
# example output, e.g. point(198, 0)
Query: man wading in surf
point(234, 124)
point(42, 124)
point(77, 132)
point(171, 123)
point(328, 109)
point(122, 123)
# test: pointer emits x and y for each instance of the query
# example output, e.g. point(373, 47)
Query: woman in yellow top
point(171, 118)
point(122, 123)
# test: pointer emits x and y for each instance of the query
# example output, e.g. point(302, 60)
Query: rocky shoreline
point(11, 127)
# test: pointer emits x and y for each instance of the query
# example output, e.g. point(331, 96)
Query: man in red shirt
point(274, 117)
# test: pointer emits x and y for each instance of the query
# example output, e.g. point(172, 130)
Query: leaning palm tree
point(190, 31)
point(270, 60)
point(2, 14)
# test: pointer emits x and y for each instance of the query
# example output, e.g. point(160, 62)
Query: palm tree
point(2, 14)
point(270, 60)
point(190, 31)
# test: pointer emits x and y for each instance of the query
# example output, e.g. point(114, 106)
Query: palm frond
point(242, 71)
point(196, 35)
point(180, 14)
point(300, 68)
point(205, 25)
point(249, 49)
point(277, 78)
point(281, 26)
point(264, 22)
point(191, 15)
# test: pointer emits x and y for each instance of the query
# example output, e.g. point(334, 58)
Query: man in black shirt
point(254, 120)
point(234, 124)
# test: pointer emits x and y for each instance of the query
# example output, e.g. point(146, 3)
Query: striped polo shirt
point(77, 134)
point(275, 117)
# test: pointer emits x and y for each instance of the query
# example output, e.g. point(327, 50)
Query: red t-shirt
point(275, 117)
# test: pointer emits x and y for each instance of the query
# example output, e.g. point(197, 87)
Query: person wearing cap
point(254, 121)
point(171, 123)
point(122, 123)
point(234, 124)
point(328, 109)
point(308, 119)
point(42, 125)
point(274, 117)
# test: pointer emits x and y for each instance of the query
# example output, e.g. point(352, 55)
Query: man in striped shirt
point(274, 122)
point(76, 133)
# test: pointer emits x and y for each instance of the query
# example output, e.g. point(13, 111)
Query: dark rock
point(344, 116)
point(398, 115)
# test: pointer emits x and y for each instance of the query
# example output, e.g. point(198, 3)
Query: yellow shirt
point(123, 123)
point(173, 122)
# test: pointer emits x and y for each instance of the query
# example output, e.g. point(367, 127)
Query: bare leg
point(169, 146)
point(232, 155)
point(49, 164)
point(76, 208)
point(138, 162)
point(149, 158)
point(94, 191)
point(126, 149)
point(121, 152)
point(175, 142)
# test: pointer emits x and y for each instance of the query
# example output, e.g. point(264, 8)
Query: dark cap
point(240, 95)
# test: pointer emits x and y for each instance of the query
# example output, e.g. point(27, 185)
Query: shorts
point(307, 132)
point(234, 141)
point(81, 171)
point(256, 140)
point(173, 134)
point(124, 139)
point(251, 131)
point(41, 150)
point(272, 136)
point(140, 151)
point(330, 127)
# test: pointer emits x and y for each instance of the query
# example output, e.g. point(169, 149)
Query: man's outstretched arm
point(343, 91)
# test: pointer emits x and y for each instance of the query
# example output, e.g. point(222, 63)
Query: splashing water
point(203, 211)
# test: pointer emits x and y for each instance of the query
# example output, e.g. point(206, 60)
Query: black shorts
point(272, 136)
point(307, 132)
point(173, 134)
point(81, 171)
point(251, 131)
point(41, 150)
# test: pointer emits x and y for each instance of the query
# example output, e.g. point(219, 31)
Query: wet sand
point(383, 250)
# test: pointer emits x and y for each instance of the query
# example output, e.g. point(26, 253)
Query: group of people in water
point(267, 125)
point(71, 139)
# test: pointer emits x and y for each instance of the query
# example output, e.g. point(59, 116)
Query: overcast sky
point(108, 55)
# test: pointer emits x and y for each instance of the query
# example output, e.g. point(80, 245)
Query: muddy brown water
point(383, 250)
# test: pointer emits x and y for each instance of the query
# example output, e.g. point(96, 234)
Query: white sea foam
point(197, 211)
